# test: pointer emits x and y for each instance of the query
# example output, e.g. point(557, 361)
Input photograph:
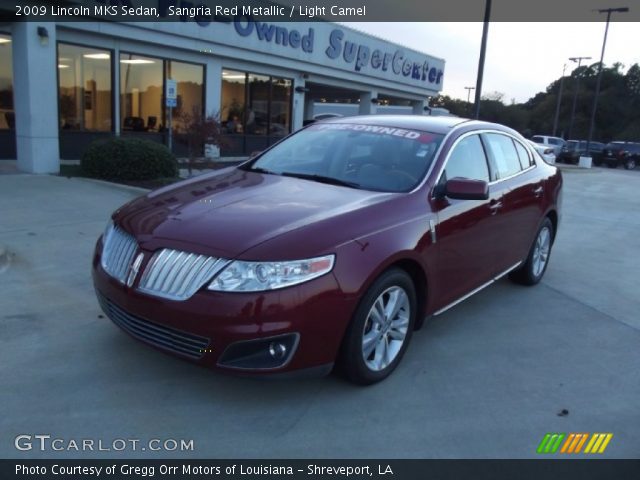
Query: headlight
point(241, 276)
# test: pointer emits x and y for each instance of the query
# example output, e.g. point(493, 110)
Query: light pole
point(468, 89)
point(483, 51)
point(575, 93)
point(608, 11)
point(557, 116)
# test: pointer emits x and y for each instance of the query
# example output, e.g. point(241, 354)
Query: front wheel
point(536, 263)
point(381, 329)
point(630, 164)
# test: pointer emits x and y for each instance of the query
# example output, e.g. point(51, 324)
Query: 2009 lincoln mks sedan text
point(331, 246)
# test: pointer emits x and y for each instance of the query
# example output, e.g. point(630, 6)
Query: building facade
point(65, 84)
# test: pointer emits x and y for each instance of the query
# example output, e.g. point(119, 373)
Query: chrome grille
point(178, 275)
point(117, 253)
point(160, 336)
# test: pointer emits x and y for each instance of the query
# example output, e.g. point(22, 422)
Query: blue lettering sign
point(335, 44)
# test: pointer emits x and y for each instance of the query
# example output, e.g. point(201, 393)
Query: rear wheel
point(531, 272)
point(381, 329)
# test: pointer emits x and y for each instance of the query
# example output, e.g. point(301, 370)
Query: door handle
point(538, 191)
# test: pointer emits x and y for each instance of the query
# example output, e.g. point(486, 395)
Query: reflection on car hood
point(230, 211)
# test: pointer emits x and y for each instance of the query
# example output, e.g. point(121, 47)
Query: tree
point(200, 130)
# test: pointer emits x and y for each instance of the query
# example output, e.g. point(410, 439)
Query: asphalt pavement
point(487, 379)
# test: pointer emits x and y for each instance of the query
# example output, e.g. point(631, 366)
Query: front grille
point(166, 338)
point(117, 253)
point(178, 275)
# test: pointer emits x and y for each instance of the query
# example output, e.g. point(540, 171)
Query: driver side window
point(467, 160)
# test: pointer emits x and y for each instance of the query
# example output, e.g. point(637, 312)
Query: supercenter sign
point(322, 43)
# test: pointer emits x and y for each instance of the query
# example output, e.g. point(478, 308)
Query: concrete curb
point(119, 186)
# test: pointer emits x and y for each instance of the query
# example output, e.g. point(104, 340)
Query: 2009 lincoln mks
point(330, 247)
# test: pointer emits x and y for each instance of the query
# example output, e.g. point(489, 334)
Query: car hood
point(225, 213)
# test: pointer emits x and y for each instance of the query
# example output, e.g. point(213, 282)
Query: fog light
point(260, 353)
point(277, 350)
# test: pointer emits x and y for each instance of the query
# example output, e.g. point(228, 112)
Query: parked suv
point(574, 149)
point(626, 154)
point(552, 142)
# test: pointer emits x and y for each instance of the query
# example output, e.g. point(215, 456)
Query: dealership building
point(65, 84)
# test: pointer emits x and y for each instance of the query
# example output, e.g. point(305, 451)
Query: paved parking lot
point(487, 379)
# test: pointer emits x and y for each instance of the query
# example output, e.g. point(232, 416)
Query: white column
point(35, 93)
point(366, 107)
point(419, 106)
point(115, 91)
point(299, 104)
point(309, 107)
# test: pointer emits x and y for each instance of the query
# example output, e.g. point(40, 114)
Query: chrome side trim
point(473, 292)
point(432, 229)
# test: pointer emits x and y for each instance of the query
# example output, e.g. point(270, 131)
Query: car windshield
point(369, 157)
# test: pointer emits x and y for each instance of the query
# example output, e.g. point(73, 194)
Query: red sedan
point(331, 247)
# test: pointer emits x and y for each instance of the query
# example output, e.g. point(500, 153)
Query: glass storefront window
point(280, 106)
point(84, 78)
point(141, 93)
point(7, 119)
point(233, 101)
point(189, 78)
point(257, 115)
point(255, 104)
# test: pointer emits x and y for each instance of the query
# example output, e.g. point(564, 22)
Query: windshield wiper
point(322, 179)
point(260, 170)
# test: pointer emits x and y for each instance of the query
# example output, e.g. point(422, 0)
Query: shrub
point(128, 159)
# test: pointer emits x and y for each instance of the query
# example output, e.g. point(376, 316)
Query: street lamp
point(555, 119)
point(575, 93)
point(608, 11)
point(468, 89)
point(483, 51)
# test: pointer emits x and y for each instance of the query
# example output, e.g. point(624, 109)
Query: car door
point(516, 180)
point(466, 240)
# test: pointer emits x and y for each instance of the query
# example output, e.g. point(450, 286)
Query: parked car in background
point(574, 149)
point(626, 154)
point(554, 142)
point(331, 246)
point(546, 152)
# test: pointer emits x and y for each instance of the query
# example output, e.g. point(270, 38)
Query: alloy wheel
point(385, 329)
point(541, 251)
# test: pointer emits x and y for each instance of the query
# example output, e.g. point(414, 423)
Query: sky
point(522, 58)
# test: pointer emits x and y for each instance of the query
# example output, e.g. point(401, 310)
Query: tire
point(532, 271)
point(630, 164)
point(369, 352)
point(612, 165)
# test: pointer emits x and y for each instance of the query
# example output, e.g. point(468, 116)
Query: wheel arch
point(419, 278)
point(553, 216)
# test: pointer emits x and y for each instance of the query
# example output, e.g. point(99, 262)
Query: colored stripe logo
point(574, 442)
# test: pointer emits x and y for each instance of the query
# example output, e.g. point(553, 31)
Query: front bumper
point(202, 328)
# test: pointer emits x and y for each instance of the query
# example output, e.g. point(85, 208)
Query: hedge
point(128, 159)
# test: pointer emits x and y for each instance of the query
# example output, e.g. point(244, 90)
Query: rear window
point(369, 157)
point(537, 139)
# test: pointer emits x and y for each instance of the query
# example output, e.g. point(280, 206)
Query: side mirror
point(465, 189)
